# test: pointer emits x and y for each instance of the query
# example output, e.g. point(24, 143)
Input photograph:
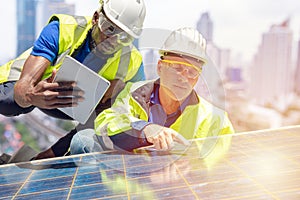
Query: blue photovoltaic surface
point(260, 165)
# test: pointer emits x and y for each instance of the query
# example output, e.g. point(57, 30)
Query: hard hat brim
point(162, 52)
point(118, 23)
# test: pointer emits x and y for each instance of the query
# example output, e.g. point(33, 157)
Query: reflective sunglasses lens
point(110, 30)
point(106, 26)
point(179, 67)
point(125, 39)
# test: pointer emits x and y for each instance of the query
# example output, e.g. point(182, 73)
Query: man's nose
point(185, 72)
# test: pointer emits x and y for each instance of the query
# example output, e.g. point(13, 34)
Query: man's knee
point(83, 142)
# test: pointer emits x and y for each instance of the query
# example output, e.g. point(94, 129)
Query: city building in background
point(33, 15)
point(220, 57)
point(35, 129)
point(150, 59)
point(258, 95)
point(234, 74)
point(267, 98)
point(272, 69)
point(149, 49)
point(46, 8)
point(26, 18)
point(215, 72)
point(205, 26)
point(297, 75)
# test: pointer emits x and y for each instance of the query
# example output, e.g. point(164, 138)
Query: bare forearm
point(32, 72)
point(30, 89)
point(20, 91)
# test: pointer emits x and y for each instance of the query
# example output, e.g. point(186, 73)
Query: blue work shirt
point(157, 114)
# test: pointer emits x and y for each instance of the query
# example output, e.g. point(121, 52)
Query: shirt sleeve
point(47, 43)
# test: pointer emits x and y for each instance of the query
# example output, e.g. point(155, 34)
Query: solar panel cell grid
point(262, 165)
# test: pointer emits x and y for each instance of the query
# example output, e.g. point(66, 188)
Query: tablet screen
point(93, 85)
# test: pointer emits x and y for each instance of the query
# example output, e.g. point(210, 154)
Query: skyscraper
point(205, 26)
point(219, 56)
point(215, 73)
point(297, 77)
point(26, 15)
point(29, 25)
point(271, 74)
point(46, 8)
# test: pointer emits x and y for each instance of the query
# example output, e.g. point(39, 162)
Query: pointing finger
point(180, 139)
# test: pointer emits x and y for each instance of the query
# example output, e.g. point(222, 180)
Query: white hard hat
point(129, 15)
point(186, 41)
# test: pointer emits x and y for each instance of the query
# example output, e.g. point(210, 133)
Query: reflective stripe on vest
point(124, 63)
point(11, 71)
point(81, 24)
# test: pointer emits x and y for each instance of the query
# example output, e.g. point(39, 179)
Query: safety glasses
point(192, 71)
point(111, 30)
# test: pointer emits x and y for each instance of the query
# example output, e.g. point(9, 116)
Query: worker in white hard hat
point(163, 111)
point(103, 43)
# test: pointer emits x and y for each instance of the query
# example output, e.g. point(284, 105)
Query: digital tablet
point(93, 85)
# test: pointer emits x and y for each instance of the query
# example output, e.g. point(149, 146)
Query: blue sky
point(238, 25)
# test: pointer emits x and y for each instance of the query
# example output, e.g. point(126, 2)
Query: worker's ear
point(158, 67)
point(95, 18)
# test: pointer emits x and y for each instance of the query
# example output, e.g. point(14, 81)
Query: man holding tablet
point(103, 43)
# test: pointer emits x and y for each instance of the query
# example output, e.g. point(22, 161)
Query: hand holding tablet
point(93, 86)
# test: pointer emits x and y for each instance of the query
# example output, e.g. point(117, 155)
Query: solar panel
point(258, 165)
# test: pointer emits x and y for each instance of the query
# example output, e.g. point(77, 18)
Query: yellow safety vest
point(72, 33)
point(197, 121)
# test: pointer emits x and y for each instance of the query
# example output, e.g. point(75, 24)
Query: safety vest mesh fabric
point(111, 68)
point(72, 33)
